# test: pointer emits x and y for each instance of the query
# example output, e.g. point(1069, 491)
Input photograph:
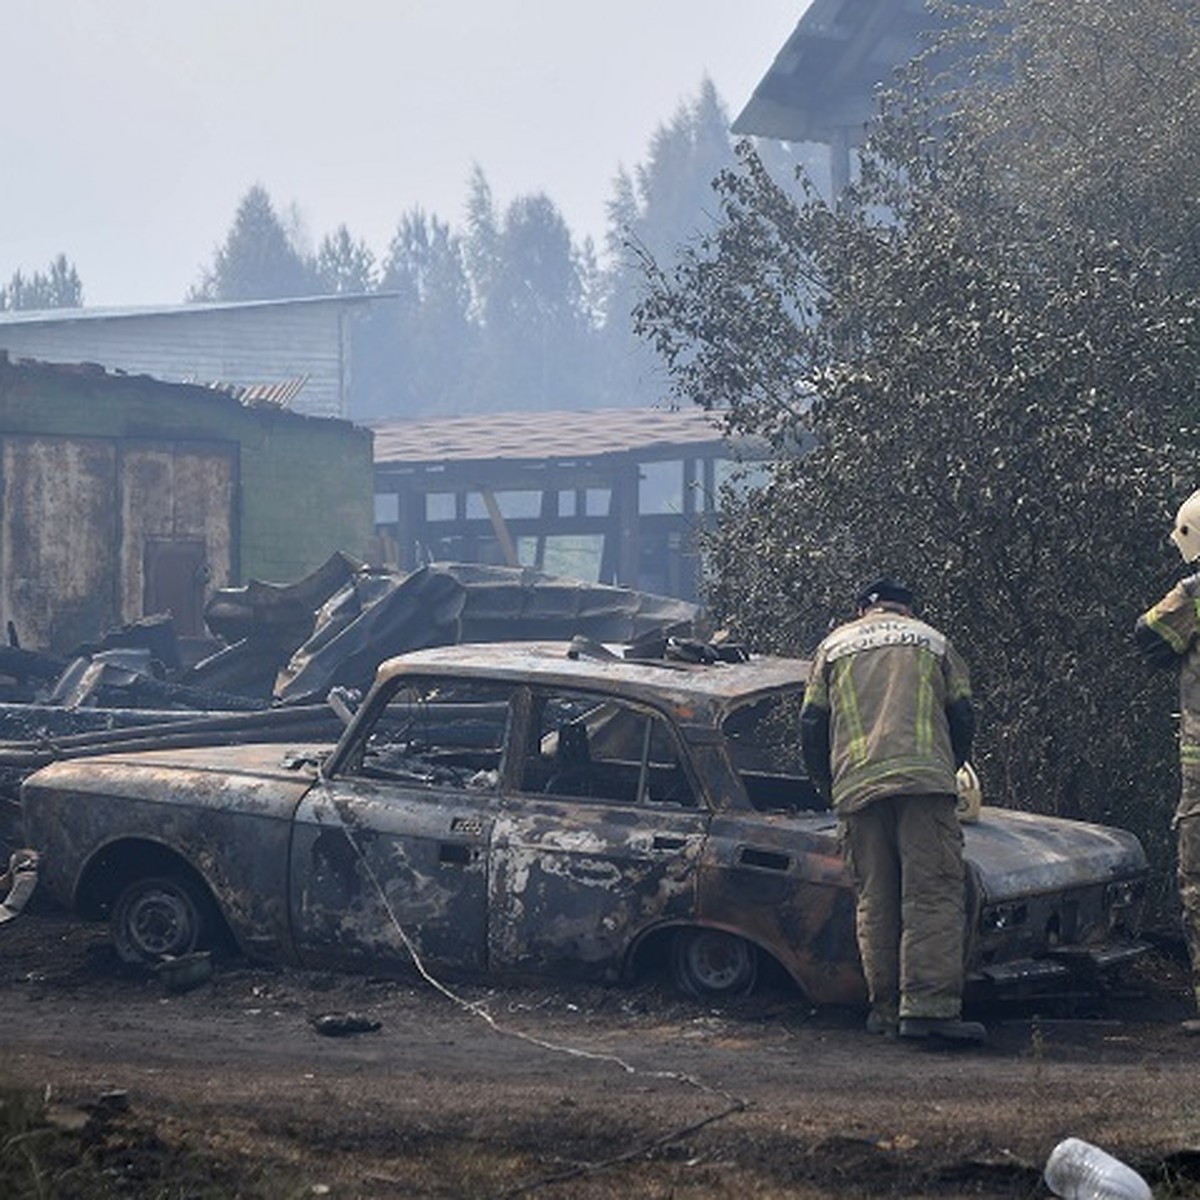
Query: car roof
point(722, 683)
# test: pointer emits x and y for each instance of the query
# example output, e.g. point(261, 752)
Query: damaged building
point(125, 495)
point(297, 349)
point(611, 496)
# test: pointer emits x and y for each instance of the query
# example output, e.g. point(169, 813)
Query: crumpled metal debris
point(360, 615)
point(186, 971)
point(279, 650)
point(341, 1024)
point(21, 879)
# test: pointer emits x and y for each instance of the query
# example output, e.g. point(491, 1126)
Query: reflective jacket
point(887, 711)
point(1167, 636)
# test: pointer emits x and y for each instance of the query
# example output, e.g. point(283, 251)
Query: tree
point(667, 203)
point(59, 287)
point(417, 346)
point(258, 259)
point(976, 371)
point(481, 244)
point(344, 266)
point(532, 300)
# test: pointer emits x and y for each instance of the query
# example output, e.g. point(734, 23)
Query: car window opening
point(763, 738)
point(605, 751)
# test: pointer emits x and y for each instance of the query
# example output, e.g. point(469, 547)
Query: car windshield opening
point(436, 733)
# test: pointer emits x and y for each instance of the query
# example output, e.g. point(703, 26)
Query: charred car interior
point(535, 808)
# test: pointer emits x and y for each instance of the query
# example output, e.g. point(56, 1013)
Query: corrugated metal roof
point(543, 435)
point(264, 395)
point(825, 79)
point(257, 396)
point(242, 344)
point(51, 316)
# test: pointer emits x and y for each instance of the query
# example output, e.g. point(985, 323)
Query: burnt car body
point(534, 808)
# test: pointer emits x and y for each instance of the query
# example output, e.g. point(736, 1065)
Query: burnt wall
point(118, 488)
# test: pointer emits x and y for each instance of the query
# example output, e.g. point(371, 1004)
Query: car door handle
point(668, 841)
point(456, 854)
point(766, 860)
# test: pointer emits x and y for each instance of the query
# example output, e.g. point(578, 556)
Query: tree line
point(57, 287)
point(507, 310)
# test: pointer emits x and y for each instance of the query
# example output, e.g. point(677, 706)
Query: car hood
point(1016, 853)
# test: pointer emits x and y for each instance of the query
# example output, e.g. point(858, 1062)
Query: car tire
point(708, 964)
point(158, 918)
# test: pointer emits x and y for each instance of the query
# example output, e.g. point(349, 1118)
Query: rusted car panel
point(570, 894)
point(225, 813)
point(1049, 889)
point(371, 868)
point(549, 808)
point(780, 882)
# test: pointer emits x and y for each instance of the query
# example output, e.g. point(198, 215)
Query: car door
point(601, 838)
point(389, 855)
point(771, 864)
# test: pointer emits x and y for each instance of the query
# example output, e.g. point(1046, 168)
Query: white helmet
point(1186, 534)
point(970, 793)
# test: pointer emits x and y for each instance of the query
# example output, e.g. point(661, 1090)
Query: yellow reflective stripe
point(907, 765)
point(924, 731)
point(1163, 629)
point(815, 692)
point(1189, 752)
point(849, 712)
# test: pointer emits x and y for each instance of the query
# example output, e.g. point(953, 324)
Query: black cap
point(885, 591)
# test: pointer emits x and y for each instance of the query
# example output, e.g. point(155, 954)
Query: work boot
point(950, 1029)
point(882, 1022)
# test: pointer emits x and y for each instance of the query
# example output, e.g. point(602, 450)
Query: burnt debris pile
point(281, 658)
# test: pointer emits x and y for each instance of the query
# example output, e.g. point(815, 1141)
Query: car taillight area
point(1083, 931)
point(1124, 900)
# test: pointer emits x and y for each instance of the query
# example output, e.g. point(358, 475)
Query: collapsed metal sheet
point(374, 617)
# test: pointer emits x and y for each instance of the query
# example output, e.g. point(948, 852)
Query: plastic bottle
point(1077, 1170)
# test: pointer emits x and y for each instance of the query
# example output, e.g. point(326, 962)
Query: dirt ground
point(113, 1084)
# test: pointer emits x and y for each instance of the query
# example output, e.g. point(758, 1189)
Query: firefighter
point(887, 719)
point(1167, 636)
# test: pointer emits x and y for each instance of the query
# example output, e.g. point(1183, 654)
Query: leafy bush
point(978, 371)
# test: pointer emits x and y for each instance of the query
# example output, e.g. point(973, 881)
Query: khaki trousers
point(904, 854)
point(1188, 878)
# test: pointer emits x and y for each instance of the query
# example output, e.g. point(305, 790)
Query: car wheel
point(708, 963)
point(159, 918)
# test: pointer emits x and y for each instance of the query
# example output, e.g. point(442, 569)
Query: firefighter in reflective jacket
point(1167, 635)
point(887, 719)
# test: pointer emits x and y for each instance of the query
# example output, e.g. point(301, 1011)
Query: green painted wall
point(306, 484)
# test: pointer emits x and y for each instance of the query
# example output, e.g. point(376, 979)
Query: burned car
point(531, 808)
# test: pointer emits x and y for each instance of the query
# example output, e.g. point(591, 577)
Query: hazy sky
point(131, 129)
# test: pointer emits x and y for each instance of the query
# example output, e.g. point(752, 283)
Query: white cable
point(478, 1010)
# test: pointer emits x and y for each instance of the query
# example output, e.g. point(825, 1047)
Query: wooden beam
point(501, 529)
